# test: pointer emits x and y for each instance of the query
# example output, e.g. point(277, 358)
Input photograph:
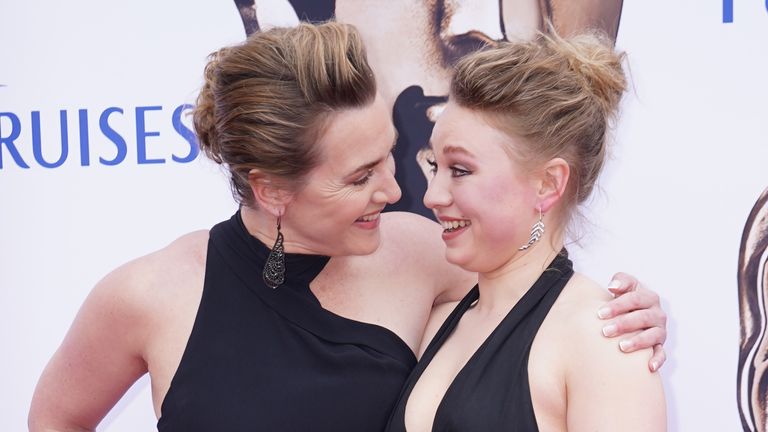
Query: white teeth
point(370, 217)
point(453, 225)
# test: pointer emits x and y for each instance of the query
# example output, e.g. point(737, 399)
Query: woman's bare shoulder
point(186, 253)
point(164, 274)
point(596, 367)
point(578, 305)
point(581, 292)
point(109, 345)
point(581, 330)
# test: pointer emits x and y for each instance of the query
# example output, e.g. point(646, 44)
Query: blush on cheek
point(501, 232)
point(508, 189)
point(508, 215)
point(497, 191)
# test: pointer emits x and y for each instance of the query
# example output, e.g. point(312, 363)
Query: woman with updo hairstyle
point(263, 105)
point(518, 147)
point(304, 310)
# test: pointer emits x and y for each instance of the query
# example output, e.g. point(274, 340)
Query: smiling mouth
point(451, 226)
point(368, 218)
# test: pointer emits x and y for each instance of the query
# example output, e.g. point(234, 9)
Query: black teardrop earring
point(274, 269)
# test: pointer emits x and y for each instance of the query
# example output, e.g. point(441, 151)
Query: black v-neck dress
point(263, 359)
point(491, 392)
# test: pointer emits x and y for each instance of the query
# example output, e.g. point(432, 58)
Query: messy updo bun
point(558, 94)
point(592, 57)
point(264, 101)
point(204, 118)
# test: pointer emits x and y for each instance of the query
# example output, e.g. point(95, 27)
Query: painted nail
point(625, 345)
point(604, 312)
point(614, 284)
point(609, 330)
point(654, 366)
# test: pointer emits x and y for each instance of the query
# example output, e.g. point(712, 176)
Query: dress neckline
point(245, 255)
point(549, 283)
point(301, 269)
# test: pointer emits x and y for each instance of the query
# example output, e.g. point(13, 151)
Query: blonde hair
point(558, 95)
point(265, 101)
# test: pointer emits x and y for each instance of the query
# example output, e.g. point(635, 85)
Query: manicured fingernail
point(604, 312)
point(654, 366)
point(614, 284)
point(625, 345)
point(609, 330)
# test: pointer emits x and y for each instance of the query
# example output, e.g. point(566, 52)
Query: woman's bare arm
point(138, 318)
point(100, 357)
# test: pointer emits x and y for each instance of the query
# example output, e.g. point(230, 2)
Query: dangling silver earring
point(274, 269)
point(536, 232)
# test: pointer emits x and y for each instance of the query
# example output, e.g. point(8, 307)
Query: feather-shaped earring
point(536, 232)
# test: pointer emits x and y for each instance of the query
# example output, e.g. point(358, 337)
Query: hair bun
point(204, 114)
point(593, 58)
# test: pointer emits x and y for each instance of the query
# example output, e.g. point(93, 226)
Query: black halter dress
point(491, 392)
point(263, 359)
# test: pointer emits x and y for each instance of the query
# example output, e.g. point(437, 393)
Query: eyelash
point(365, 179)
point(455, 172)
point(433, 166)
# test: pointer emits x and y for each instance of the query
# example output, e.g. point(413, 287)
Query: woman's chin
point(366, 247)
point(458, 259)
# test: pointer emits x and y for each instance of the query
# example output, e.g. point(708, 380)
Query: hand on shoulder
point(607, 389)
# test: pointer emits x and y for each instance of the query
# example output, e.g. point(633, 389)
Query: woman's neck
point(263, 226)
point(503, 287)
point(259, 224)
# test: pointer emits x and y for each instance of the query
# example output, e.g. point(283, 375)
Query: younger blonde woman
point(518, 147)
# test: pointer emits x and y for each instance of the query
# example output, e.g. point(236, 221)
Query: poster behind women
point(98, 164)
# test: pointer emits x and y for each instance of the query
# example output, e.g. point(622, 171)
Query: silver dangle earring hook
point(536, 232)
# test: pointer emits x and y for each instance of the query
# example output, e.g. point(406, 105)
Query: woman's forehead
point(357, 135)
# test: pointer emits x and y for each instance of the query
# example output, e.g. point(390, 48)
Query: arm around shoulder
point(421, 238)
point(608, 390)
point(437, 317)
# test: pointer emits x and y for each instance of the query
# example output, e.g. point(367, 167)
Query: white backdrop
point(689, 162)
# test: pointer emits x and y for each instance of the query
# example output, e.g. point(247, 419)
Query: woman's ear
point(552, 182)
point(268, 192)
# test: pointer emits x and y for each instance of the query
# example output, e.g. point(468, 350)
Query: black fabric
point(314, 11)
point(263, 359)
point(491, 392)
